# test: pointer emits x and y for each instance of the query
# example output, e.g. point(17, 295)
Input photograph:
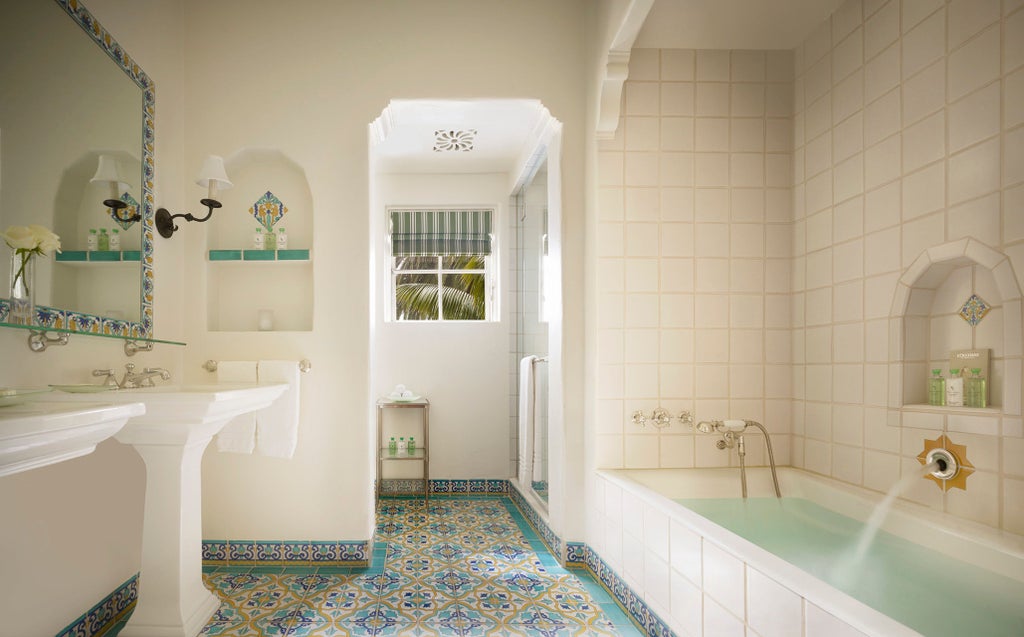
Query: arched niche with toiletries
point(929, 319)
point(261, 288)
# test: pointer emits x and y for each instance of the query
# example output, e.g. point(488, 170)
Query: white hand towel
point(239, 435)
point(277, 425)
point(526, 416)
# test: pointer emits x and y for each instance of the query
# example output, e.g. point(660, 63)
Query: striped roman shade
point(440, 232)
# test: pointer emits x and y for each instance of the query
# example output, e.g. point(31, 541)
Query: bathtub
point(703, 579)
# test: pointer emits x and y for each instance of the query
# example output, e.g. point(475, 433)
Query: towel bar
point(304, 365)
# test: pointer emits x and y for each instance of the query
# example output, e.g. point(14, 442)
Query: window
point(441, 265)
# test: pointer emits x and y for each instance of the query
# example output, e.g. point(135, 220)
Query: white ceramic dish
point(11, 396)
point(403, 399)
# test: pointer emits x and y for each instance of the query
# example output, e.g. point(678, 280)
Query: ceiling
point(732, 24)
point(499, 130)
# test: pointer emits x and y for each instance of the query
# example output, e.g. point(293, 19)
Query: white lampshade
point(107, 172)
point(212, 174)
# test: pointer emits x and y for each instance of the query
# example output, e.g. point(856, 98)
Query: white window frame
point(490, 272)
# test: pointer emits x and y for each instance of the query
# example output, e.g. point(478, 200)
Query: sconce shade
point(107, 172)
point(213, 174)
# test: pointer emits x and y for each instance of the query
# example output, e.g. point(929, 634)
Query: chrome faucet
point(732, 436)
point(132, 380)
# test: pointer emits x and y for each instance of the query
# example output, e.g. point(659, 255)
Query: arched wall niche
point(924, 325)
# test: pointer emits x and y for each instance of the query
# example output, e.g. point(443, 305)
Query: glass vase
point(23, 290)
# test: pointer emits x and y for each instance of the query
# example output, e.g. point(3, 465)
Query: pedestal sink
point(171, 437)
point(37, 434)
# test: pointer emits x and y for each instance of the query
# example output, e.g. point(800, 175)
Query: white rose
point(46, 241)
point(20, 238)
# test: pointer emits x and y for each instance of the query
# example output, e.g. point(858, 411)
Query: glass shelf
point(419, 454)
point(61, 330)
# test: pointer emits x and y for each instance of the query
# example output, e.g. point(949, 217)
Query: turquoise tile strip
point(101, 617)
point(392, 487)
point(293, 255)
point(258, 255)
point(285, 553)
point(225, 255)
point(642, 615)
point(550, 538)
point(71, 255)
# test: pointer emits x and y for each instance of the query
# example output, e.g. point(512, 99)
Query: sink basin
point(178, 423)
point(36, 434)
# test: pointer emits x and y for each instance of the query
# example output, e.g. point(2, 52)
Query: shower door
point(532, 325)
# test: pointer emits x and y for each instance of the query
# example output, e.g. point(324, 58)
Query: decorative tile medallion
point(454, 140)
point(974, 309)
point(268, 210)
point(129, 212)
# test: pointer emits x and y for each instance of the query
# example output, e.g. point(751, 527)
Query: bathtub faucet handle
point(708, 426)
point(685, 418)
point(639, 419)
point(660, 418)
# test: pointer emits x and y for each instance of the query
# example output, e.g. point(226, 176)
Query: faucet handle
point(130, 367)
point(110, 377)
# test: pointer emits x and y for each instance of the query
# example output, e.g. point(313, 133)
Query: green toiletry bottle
point(936, 388)
point(412, 445)
point(103, 243)
point(392, 446)
point(977, 395)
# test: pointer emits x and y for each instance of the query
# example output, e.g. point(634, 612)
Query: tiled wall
point(907, 135)
point(694, 254)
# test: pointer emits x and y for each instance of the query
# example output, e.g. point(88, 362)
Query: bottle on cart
point(412, 445)
point(403, 446)
point(392, 446)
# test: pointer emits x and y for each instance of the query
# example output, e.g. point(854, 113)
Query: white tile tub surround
point(694, 252)
point(720, 584)
point(915, 164)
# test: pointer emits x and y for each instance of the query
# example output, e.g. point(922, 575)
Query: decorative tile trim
point(575, 554)
point(70, 320)
point(645, 618)
point(553, 542)
point(286, 553)
point(414, 486)
point(101, 617)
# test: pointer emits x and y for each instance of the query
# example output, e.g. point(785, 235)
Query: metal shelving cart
point(421, 452)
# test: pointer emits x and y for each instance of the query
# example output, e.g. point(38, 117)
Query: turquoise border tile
point(258, 255)
point(105, 255)
point(225, 255)
point(72, 255)
point(131, 255)
point(293, 255)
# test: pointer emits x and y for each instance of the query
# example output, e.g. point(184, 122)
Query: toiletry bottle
point(977, 395)
point(282, 239)
point(91, 241)
point(412, 445)
point(257, 239)
point(955, 389)
point(103, 242)
point(403, 447)
point(936, 388)
point(115, 240)
point(392, 446)
point(269, 242)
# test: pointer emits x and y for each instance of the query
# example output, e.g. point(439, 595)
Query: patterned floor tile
point(451, 567)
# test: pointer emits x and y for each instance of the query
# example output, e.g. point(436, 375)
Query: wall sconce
point(108, 173)
point(214, 177)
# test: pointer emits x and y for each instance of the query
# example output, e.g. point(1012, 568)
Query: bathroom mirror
point(531, 321)
point(70, 94)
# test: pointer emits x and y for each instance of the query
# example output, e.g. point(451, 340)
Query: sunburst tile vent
point(454, 140)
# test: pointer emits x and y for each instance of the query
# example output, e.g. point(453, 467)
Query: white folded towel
point(239, 435)
point(277, 425)
point(539, 464)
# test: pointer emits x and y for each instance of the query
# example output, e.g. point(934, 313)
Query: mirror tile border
point(81, 322)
